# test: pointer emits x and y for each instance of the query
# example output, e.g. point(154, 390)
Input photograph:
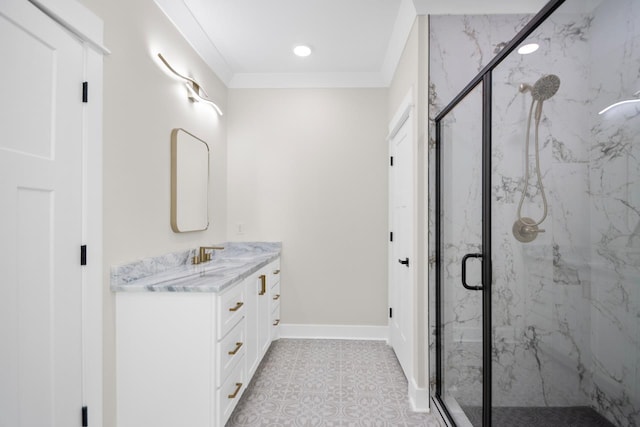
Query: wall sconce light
point(196, 92)
point(628, 101)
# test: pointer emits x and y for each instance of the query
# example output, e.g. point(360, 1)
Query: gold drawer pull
point(263, 284)
point(276, 272)
point(235, 393)
point(235, 350)
point(277, 322)
point(277, 297)
point(237, 307)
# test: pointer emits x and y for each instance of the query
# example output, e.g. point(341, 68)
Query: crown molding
point(181, 17)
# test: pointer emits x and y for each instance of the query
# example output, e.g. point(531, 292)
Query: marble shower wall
point(614, 186)
point(566, 307)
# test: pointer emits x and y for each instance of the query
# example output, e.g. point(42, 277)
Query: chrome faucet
point(203, 255)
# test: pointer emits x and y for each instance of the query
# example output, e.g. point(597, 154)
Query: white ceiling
point(355, 43)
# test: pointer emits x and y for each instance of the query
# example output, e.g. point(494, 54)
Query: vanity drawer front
point(275, 315)
point(273, 273)
point(275, 295)
point(275, 322)
point(228, 395)
point(230, 309)
point(231, 350)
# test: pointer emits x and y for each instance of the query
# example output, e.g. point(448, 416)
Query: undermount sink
point(221, 264)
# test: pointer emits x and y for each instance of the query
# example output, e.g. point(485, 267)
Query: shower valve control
point(525, 230)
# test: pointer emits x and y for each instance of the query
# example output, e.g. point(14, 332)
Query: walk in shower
point(537, 216)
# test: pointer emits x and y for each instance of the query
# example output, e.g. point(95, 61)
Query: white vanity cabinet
point(184, 358)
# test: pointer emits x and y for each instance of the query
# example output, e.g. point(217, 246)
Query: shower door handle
point(464, 272)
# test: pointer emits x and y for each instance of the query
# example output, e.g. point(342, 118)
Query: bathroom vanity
point(190, 337)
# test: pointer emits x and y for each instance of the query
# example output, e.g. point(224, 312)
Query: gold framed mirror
point(189, 182)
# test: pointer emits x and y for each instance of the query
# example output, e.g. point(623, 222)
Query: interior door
point(459, 228)
point(40, 220)
point(402, 262)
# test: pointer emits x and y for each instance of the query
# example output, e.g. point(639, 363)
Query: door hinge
point(85, 91)
point(391, 236)
point(391, 161)
point(85, 416)
point(83, 255)
point(390, 312)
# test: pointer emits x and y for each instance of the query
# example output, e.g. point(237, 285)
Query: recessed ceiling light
point(528, 48)
point(302, 50)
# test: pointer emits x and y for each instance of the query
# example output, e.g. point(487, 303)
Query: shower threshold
point(532, 416)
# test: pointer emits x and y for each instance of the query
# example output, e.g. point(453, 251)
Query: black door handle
point(464, 272)
point(404, 261)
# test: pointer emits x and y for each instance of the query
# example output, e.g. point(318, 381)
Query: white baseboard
point(344, 332)
point(418, 397)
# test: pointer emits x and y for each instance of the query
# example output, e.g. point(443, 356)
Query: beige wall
point(308, 167)
point(141, 106)
point(412, 75)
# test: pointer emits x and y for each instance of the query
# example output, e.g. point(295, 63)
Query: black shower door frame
point(483, 78)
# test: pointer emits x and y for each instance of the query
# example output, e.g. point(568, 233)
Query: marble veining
point(174, 272)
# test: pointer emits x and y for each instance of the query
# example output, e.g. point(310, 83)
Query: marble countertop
point(175, 273)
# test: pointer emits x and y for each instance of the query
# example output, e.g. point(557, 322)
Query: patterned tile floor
point(328, 383)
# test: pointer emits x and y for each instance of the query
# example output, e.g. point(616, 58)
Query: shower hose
point(538, 114)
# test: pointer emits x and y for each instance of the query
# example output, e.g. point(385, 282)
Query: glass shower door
point(460, 346)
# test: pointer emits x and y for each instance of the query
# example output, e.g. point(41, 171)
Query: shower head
point(544, 88)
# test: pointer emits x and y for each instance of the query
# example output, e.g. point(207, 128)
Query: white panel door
point(40, 220)
point(402, 263)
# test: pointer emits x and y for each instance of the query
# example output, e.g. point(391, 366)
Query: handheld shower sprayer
point(526, 229)
point(543, 89)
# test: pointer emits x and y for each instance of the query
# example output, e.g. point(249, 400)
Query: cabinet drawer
point(274, 273)
point(275, 295)
point(231, 350)
point(230, 309)
point(228, 395)
point(275, 315)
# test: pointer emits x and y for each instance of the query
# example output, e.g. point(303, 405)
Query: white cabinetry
point(184, 358)
point(230, 377)
point(260, 328)
point(164, 358)
point(274, 303)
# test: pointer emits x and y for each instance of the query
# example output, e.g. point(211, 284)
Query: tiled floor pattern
point(573, 416)
point(306, 383)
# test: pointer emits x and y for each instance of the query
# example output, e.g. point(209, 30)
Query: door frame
point(88, 27)
point(484, 78)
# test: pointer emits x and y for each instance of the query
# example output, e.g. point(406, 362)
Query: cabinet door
point(164, 358)
point(258, 312)
point(251, 315)
point(264, 315)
